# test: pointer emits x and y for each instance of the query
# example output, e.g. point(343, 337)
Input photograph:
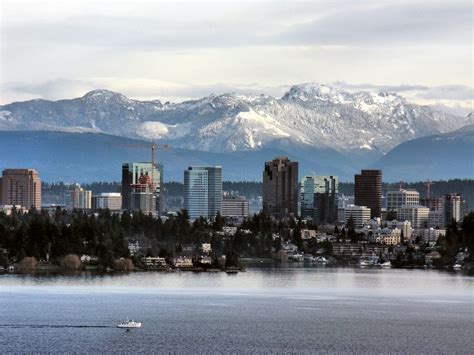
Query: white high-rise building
point(452, 208)
point(203, 191)
point(397, 199)
point(360, 215)
point(81, 199)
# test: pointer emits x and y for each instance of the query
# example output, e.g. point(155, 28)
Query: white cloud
point(181, 50)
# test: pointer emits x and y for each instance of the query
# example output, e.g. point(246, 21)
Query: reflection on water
point(266, 280)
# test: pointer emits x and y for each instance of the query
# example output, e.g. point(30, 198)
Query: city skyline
point(234, 176)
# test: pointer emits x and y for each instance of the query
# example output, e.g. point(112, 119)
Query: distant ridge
point(361, 126)
point(86, 157)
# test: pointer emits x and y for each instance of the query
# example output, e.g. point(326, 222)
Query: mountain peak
point(105, 95)
point(309, 91)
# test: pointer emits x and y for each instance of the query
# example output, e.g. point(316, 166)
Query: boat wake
point(51, 326)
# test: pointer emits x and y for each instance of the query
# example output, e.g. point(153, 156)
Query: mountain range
point(328, 130)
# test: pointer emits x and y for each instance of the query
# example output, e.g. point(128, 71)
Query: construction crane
point(152, 145)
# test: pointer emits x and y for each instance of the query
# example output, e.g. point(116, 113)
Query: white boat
point(457, 266)
point(366, 262)
point(386, 264)
point(321, 260)
point(296, 257)
point(129, 324)
point(308, 257)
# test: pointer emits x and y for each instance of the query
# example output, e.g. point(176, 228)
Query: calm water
point(262, 310)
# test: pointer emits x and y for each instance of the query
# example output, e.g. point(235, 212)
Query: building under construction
point(141, 187)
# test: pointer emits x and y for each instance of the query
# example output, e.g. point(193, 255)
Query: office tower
point(203, 191)
point(81, 199)
point(107, 200)
point(360, 215)
point(319, 198)
point(307, 190)
point(452, 208)
point(131, 173)
point(417, 215)
point(237, 207)
point(214, 189)
point(280, 187)
point(21, 187)
point(397, 199)
point(368, 191)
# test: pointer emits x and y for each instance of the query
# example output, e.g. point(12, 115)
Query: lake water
point(263, 310)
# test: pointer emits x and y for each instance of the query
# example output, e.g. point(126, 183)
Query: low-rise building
point(183, 262)
point(7, 209)
point(307, 234)
point(431, 257)
point(107, 200)
point(206, 248)
point(235, 207)
point(389, 236)
point(404, 226)
point(205, 260)
point(430, 235)
point(133, 246)
point(151, 262)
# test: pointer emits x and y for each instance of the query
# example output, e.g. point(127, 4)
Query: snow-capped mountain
point(311, 115)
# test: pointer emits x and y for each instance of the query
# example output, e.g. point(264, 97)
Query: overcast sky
point(176, 51)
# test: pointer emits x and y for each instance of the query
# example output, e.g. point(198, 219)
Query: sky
point(174, 51)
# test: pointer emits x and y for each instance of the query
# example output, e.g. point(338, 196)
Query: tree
point(350, 223)
point(219, 222)
point(28, 263)
point(71, 262)
point(124, 265)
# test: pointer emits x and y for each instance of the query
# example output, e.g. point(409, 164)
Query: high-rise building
point(368, 191)
point(319, 198)
point(21, 187)
point(399, 198)
point(417, 215)
point(107, 200)
point(81, 199)
point(214, 190)
point(360, 215)
point(452, 208)
point(280, 187)
point(203, 191)
point(131, 173)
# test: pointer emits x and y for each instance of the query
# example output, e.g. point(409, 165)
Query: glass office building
point(203, 191)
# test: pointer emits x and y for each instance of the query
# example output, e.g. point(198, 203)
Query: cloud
point(442, 92)
point(177, 51)
point(171, 26)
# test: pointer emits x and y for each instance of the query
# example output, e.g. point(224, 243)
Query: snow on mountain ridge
point(311, 114)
